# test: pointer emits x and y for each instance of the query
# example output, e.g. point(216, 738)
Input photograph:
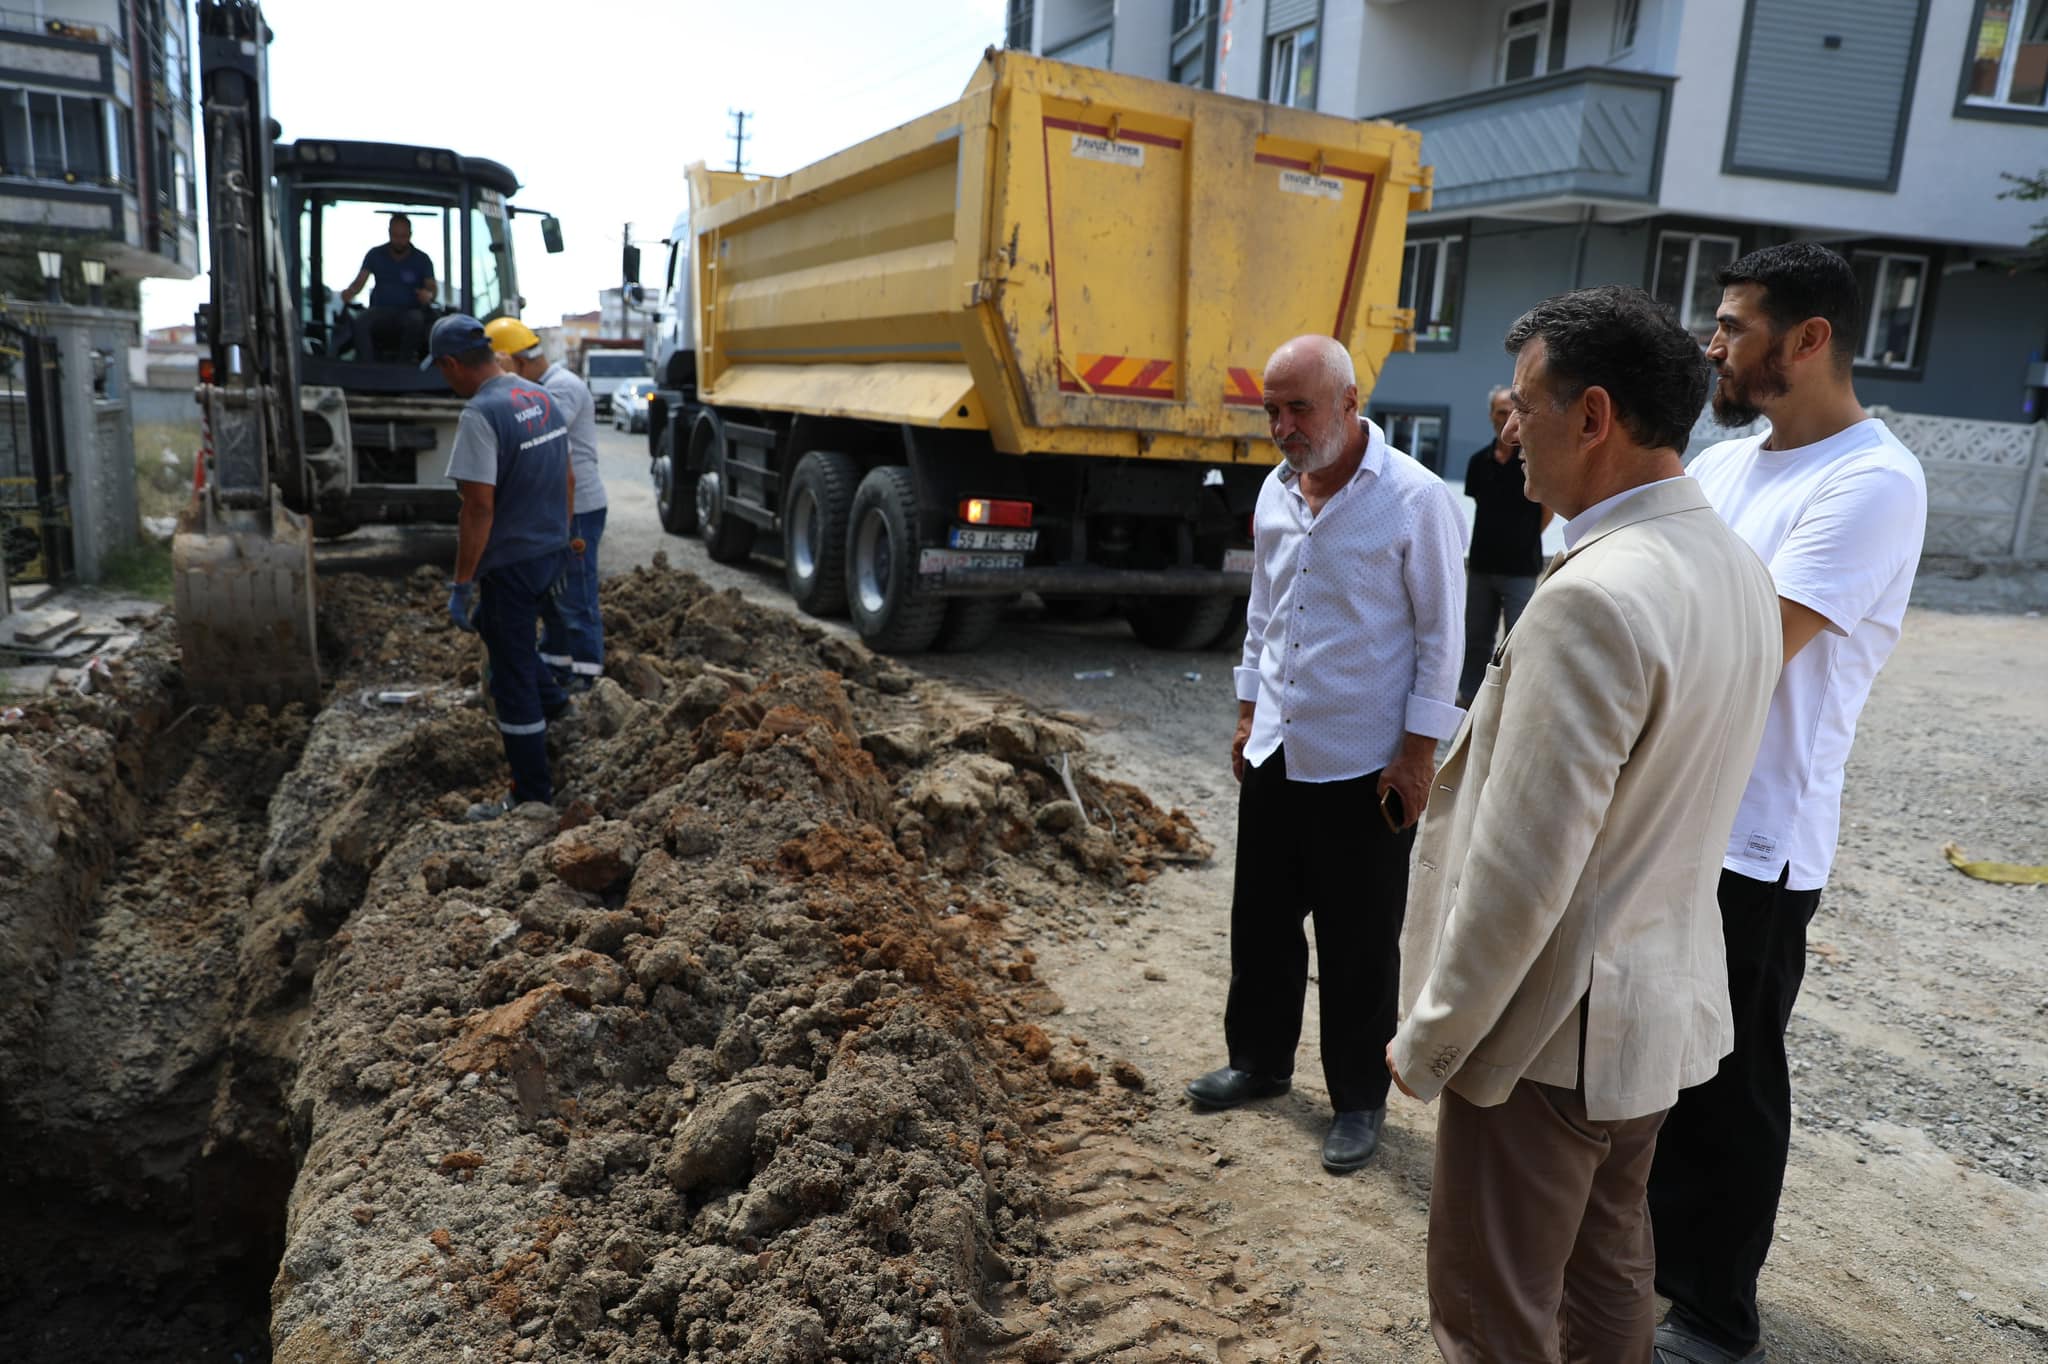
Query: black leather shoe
point(1354, 1136)
point(1229, 1087)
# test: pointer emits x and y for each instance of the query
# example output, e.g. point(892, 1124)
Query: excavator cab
point(318, 416)
point(377, 427)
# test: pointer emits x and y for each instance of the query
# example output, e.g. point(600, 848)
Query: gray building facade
point(1650, 142)
point(96, 141)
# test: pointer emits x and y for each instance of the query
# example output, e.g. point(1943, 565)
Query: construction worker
point(572, 640)
point(510, 461)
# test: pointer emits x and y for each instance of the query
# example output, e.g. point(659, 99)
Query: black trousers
point(1317, 848)
point(1721, 1158)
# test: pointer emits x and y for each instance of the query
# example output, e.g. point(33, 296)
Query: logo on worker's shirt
point(536, 406)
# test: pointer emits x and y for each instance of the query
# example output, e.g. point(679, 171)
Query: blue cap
point(454, 335)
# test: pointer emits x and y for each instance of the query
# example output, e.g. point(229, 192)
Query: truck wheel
point(675, 492)
point(814, 531)
point(881, 566)
point(1230, 639)
point(970, 623)
point(1179, 623)
point(727, 538)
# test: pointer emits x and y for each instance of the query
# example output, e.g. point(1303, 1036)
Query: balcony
point(1589, 136)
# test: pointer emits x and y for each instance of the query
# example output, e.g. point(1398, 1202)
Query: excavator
point(317, 416)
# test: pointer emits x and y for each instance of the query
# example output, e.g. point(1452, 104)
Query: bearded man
point(1352, 644)
point(1837, 508)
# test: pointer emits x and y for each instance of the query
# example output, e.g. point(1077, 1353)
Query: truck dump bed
point(1076, 261)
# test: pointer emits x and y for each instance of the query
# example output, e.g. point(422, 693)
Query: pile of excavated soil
point(735, 1055)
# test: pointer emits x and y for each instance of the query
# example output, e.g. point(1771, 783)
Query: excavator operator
point(404, 290)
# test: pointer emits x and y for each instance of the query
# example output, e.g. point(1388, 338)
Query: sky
point(598, 105)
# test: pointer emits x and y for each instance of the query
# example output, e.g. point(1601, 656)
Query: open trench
point(737, 1056)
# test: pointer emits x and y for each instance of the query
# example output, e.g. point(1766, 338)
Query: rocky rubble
point(735, 1055)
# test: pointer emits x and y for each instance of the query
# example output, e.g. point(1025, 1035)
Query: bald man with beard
point(1352, 644)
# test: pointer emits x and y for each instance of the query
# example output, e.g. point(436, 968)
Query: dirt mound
point(736, 1056)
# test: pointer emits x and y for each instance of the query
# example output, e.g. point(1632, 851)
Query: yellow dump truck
point(1014, 346)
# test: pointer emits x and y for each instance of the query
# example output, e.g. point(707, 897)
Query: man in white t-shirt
point(1836, 507)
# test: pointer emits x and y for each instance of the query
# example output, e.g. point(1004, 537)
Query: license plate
point(1237, 561)
point(1021, 541)
point(938, 562)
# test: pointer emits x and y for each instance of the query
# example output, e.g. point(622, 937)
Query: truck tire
point(1180, 624)
point(1230, 639)
point(675, 491)
point(970, 623)
point(727, 538)
point(881, 566)
point(814, 531)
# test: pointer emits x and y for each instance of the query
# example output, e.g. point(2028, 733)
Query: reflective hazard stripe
point(557, 660)
point(537, 727)
point(587, 669)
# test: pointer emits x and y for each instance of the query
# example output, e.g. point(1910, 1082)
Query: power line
point(739, 137)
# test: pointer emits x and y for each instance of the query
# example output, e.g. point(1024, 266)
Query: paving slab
point(30, 681)
point(34, 627)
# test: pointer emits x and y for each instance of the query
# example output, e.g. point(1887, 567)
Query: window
point(1186, 12)
point(1420, 433)
point(1192, 69)
point(1091, 50)
point(2009, 60)
point(1627, 17)
point(1018, 24)
point(1532, 39)
point(47, 136)
point(487, 283)
point(1291, 68)
point(1893, 286)
point(1684, 281)
point(1432, 283)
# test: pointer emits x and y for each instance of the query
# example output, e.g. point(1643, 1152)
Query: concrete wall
point(98, 431)
point(1140, 40)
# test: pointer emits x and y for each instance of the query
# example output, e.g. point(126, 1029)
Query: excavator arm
point(242, 562)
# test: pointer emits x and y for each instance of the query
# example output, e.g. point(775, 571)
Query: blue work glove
point(462, 605)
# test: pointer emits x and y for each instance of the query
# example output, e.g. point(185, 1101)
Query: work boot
point(1354, 1136)
point(484, 811)
point(1229, 1087)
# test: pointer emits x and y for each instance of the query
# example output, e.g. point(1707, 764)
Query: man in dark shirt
point(405, 286)
point(510, 461)
point(1507, 546)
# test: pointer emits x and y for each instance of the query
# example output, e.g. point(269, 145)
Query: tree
point(2031, 189)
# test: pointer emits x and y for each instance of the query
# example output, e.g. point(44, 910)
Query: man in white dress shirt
point(1352, 644)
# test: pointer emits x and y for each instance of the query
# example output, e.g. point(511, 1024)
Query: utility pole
point(739, 137)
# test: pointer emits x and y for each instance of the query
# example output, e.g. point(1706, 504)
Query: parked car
point(629, 404)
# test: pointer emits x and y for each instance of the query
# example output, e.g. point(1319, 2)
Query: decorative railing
point(1984, 483)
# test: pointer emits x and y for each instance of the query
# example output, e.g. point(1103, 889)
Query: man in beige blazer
point(1562, 967)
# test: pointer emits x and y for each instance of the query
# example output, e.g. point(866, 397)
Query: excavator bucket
point(245, 609)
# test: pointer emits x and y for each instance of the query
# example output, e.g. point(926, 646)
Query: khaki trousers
point(1539, 1232)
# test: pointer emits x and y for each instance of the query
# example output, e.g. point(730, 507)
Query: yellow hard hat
point(510, 336)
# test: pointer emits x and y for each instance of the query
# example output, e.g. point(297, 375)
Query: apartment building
point(96, 140)
point(1650, 142)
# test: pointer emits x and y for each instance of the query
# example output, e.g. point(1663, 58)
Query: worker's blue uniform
point(512, 435)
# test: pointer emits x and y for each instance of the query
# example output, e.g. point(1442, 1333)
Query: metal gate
point(35, 483)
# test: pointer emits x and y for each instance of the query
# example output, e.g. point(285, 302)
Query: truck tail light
point(984, 511)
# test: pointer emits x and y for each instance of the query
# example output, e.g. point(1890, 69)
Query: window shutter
point(1823, 83)
point(1282, 15)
